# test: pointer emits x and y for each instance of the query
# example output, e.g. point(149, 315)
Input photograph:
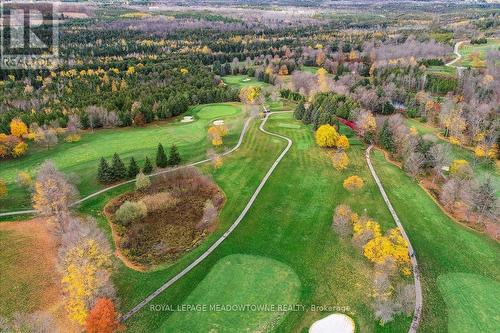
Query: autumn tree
point(24, 179)
point(250, 94)
point(53, 193)
point(342, 142)
point(326, 136)
point(215, 136)
point(103, 318)
point(18, 128)
point(342, 220)
point(340, 160)
point(353, 183)
point(142, 181)
point(484, 200)
point(3, 188)
point(86, 261)
point(461, 169)
point(366, 124)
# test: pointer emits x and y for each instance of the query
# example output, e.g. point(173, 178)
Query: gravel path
point(219, 241)
point(459, 56)
point(418, 288)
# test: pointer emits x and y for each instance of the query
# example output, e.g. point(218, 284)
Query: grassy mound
point(472, 302)
point(174, 220)
point(238, 280)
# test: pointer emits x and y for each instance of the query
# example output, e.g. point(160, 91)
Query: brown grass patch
point(171, 228)
point(30, 281)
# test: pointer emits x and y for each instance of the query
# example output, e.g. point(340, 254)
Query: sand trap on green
point(217, 110)
point(230, 293)
point(473, 302)
point(334, 323)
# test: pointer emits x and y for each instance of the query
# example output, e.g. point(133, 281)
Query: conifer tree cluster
point(109, 173)
point(163, 161)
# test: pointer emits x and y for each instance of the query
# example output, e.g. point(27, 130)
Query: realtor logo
point(29, 35)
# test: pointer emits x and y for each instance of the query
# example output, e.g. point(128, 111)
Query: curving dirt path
point(459, 56)
point(416, 275)
point(219, 241)
point(240, 140)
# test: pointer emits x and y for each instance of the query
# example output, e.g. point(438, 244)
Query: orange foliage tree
point(103, 318)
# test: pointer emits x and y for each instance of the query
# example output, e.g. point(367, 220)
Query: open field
point(472, 301)
point(80, 160)
point(481, 49)
point(30, 281)
point(238, 280)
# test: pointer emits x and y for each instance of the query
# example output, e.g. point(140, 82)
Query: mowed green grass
point(241, 81)
point(467, 49)
point(442, 247)
point(289, 222)
point(238, 280)
point(483, 168)
point(473, 301)
point(80, 160)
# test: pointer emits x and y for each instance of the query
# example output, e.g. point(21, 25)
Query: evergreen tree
point(104, 171)
point(118, 170)
point(385, 137)
point(299, 111)
point(161, 157)
point(133, 168)
point(174, 158)
point(148, 167)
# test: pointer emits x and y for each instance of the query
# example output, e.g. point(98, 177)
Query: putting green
point(228, 294)
point(217, 110)
point(241, 81)
point(472, 301)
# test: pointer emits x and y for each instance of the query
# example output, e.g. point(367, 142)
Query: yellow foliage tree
point(353, 183)
point(321, 75)
point(3, 188)
point(20, 149)
point(340, 160)
point(24, 179)
point(249, 95)
point(83, 266)
point(215, 135)
point(18, 128)
point(461, 169)
point(326, 136)
point(391, 246)
point(342, 142)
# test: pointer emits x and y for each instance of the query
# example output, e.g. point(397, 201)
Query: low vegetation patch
point(159, 223)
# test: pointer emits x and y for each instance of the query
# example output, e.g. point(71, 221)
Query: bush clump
point(130, 211)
